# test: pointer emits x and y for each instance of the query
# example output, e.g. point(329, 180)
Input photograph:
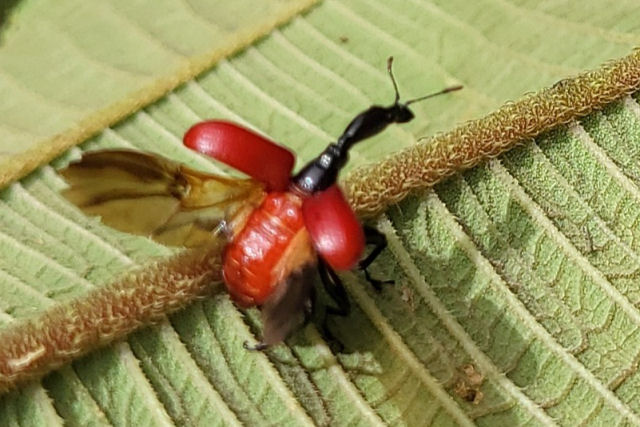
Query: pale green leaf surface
point(525, 267)
point(69, 69)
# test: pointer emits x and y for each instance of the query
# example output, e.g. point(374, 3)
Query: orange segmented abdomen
point(253, 261)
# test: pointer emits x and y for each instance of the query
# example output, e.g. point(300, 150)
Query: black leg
point(376, 238)
point(334, 287)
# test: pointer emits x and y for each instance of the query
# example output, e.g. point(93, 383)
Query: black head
point(400, 113)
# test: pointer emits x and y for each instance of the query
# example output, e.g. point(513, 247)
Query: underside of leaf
point(515, 296)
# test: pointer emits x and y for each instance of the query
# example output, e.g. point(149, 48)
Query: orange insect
point(279, 228)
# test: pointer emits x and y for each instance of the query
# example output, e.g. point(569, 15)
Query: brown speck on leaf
point(468, 385)
point(406, 294)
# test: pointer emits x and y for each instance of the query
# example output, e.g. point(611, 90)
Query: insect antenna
point(393, 79)
point(431, 95)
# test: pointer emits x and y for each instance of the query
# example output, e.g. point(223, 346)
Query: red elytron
point(279, 227)
point(243, 150)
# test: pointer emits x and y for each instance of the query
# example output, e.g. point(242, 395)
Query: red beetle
point(279, 228)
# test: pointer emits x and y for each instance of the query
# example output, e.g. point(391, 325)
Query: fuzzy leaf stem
point(71, 329)
point(372, 188)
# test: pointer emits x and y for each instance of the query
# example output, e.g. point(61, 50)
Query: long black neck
point(322, 172)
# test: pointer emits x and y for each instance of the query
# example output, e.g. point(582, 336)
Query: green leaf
point(516, 283)
point(68, 71)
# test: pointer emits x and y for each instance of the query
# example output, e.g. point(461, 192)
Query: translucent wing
point(288, 307)
point(149, 195)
